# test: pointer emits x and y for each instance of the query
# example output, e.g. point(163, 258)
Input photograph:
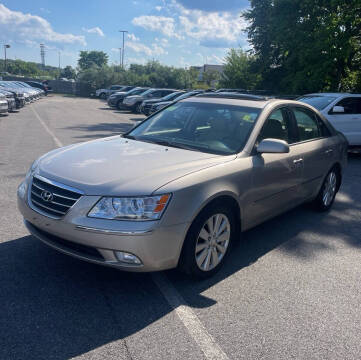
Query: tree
point(210, 77)
point(88, 59)
point(306, 45)
point(240, 71)
point(68, 72)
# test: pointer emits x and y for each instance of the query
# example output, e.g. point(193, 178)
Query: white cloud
point(132, 37)
point(163, 24)
point(94, 30)
point(214, 29)
point(153, 50)
point(21, 27)
point(158, 8)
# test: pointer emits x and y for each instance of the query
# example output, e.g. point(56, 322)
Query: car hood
point(120, 166)
point(164, 102)
point(153, 101)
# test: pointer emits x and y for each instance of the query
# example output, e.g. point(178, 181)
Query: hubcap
point(212, 242)
point(329, 189)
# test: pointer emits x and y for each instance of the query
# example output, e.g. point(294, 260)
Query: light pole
point(123, 31)
point(120, 56)
point(6, 46)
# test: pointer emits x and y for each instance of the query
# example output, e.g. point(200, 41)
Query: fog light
point(22, 189)
point(127, 258)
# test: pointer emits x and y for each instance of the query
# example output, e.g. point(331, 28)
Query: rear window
point(318, 102)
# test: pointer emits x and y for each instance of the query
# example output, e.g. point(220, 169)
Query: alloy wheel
point(329, 189)
point(212, 242)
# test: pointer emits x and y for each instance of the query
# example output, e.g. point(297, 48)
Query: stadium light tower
point(123, 31)
point(6, 46)
point(42, 55)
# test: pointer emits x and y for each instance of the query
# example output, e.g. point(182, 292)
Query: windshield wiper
point(129, 137)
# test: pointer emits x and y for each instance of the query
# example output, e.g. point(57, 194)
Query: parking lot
point(290, 289)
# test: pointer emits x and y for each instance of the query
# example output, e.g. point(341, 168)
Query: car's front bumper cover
point(157, 247)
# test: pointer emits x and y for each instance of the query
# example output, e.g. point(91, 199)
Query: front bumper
point(158, 247)
point(113, 102)
point(3, 106)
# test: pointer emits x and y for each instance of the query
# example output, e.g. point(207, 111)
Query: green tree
point(87, 59)
point(210, 77)
point(68, 72)
point(240, 71)
point(306, 45)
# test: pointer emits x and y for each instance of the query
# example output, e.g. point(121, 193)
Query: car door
point(276, 178)
point(315, 146)
point(349, 121)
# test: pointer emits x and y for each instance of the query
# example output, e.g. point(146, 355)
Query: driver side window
point(277, 126)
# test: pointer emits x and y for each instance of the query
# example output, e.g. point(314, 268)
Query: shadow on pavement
point(57, 307)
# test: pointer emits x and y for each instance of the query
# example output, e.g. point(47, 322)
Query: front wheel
point(138, 108)
point(208, 242)
point(327, 193)
point(103, 96)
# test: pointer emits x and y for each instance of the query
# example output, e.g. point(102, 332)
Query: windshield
point(135, 91)
point(171, 96)
point(149, 91)
point(319, 102)
point(214, 128)
point(186, 95)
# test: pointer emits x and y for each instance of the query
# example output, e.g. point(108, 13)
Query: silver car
point(178, 189)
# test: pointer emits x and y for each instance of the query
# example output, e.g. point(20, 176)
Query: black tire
point(119, 105)
point(319, 203)
point(187, 261)
point(103, 96)
point(137, 108)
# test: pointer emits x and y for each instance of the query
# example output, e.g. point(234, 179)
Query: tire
point(119, 105)
point(103, 96)
point(198, 254)
point(137, 108)
point(328, 191)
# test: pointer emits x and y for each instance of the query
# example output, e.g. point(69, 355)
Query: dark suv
point(116, 99)
point(147, 104)
point(134, 102)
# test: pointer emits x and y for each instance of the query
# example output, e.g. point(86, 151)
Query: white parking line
point(190, 320)
point(195, 328)
point(56, 140)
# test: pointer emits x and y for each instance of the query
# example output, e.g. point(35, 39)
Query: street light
point(123, 31)
point(6, 46)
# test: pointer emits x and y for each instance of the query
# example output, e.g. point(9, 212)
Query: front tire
point(137, 108)
point(328, 191)
point(208, 241)
point(103, 96)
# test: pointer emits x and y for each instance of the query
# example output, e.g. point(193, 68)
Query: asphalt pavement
point(290, 289)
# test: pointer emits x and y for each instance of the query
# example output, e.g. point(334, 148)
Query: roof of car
point(328, 94)
point(229, 101)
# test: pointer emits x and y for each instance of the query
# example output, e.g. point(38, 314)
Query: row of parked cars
point(16, 94)
point(342, 110)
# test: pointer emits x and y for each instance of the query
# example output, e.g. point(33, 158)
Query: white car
point(342, 110)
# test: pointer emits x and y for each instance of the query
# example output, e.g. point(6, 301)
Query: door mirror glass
point(338, 109)
point(273, 146)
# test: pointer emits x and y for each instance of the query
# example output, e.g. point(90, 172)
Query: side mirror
point(338, 109)
point(273, 146)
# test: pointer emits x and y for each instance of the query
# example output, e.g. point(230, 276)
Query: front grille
point(58, 204)
point(70, 246)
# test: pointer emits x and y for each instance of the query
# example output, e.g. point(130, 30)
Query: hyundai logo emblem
point(47, 196)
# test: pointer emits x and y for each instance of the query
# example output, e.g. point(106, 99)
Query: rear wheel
point(327, 193)
point(208, 241)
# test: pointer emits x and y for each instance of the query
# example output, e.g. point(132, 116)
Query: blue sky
point(175, 32)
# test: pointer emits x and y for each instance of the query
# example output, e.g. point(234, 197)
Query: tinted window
point(214, 128)
point(325, 132)
point(319, 102)
point(306, 124)
point(352, 105)
point(277, 126)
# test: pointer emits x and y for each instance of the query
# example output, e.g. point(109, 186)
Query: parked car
point(105, 93)
point(3, 104)
point(162, 104)
point(134, 102)
point(178, 188)
point(46, 88)
point(116, 99)
point(10, 98)
point(39, 93)
point(19, 95)
point(147, 104)
point(342, 110)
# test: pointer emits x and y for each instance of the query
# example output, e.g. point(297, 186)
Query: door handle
point(298, 161)
point(329, 151)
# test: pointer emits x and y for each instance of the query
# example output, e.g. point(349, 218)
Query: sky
point(175, 32)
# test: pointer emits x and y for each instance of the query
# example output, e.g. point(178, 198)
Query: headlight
point(137, 208)
point(23, 186)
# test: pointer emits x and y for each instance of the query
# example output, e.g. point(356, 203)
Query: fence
point(60, 86)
